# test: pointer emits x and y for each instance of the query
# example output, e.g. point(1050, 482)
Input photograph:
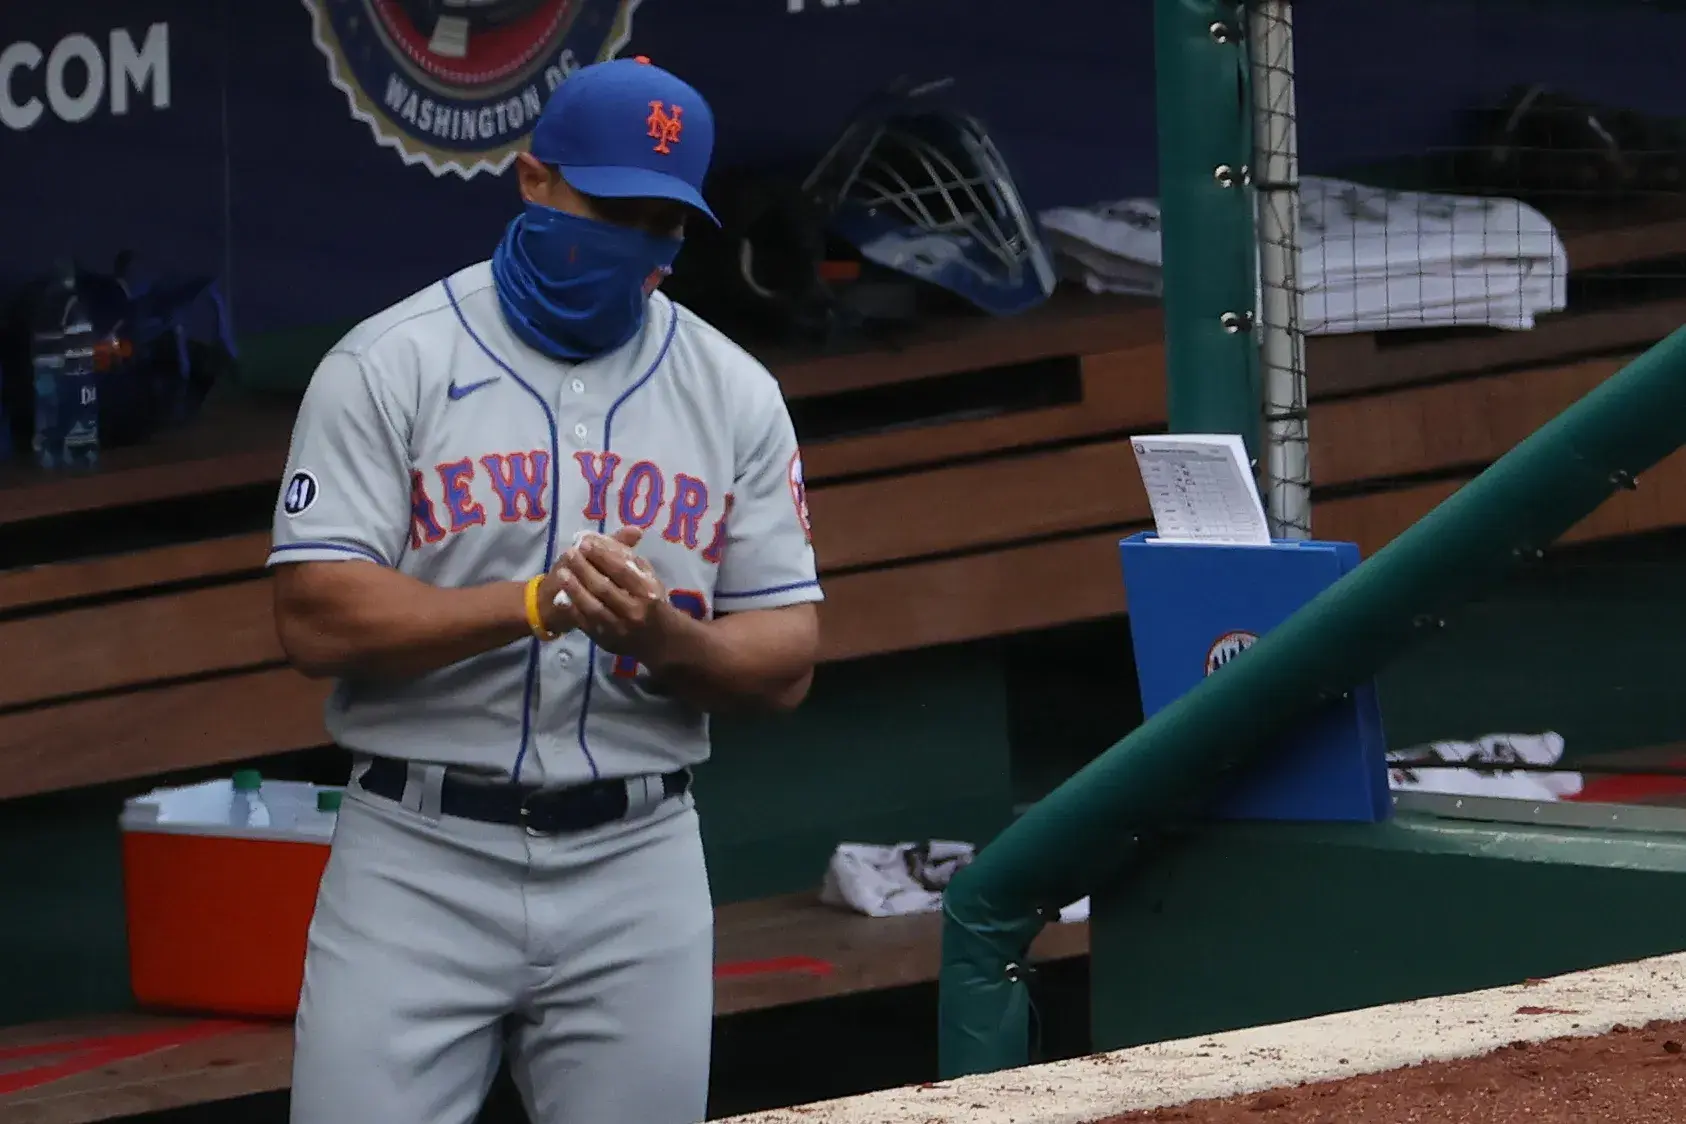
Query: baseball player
point(538, 521)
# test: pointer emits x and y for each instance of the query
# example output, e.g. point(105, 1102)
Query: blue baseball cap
point(627, 129)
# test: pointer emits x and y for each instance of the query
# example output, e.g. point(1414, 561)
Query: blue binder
point(1194, 607)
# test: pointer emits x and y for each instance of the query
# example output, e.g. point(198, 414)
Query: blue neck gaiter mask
point(573, 288)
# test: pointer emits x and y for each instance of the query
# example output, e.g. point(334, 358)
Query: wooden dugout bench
point(770, 953)
point(971, 483)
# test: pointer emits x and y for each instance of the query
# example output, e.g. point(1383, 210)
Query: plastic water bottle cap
point(328, 800)
point(247, 780)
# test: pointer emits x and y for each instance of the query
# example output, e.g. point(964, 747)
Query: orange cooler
point(219, 902)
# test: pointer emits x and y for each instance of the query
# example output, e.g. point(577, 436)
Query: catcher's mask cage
point(922, 190)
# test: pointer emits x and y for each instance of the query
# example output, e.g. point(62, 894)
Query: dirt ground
point(1632, 1075)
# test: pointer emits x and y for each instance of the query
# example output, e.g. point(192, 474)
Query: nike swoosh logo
point(458, 393)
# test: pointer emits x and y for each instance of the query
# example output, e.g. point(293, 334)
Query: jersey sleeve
point(345, 494)
point(769, 554)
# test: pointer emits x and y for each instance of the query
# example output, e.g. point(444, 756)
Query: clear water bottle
point(79, 399)
point(248, 808)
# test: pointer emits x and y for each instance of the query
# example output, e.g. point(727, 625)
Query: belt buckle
point(524, 814)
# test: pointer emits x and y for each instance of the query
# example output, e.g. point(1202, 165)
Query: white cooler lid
point(206, 809)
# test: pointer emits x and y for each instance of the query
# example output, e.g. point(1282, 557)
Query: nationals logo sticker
point(456, 85)
point(799, 496)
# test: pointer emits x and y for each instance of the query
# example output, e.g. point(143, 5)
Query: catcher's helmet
point(918, 192)
point(921, 189)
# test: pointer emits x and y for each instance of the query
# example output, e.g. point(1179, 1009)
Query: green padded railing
point(1071, 841)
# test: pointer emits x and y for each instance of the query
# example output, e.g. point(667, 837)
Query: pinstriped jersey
point(434, 441)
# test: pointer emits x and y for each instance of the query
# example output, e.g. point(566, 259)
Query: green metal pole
point(1206, 208)
point(1070, 841)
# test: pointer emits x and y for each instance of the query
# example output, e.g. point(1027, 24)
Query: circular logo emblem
point(456, 85)
point(300, 494)
point(799, 495)
point(1227, 647)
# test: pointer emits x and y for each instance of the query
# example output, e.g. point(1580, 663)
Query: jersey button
point(578, 386)
point(580, 433)
point(565, 657)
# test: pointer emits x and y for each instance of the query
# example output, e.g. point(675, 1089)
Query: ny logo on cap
point(665, 125)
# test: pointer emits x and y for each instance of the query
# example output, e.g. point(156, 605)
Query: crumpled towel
point(1494, 749)
point(903, 878)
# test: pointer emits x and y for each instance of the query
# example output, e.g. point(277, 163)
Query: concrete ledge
point(1259, 1058)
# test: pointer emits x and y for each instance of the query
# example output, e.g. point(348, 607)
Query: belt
point(541, 811)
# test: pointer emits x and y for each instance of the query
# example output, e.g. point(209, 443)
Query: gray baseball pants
point(440, 943)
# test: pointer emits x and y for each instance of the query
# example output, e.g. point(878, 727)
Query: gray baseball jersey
point(432, 440)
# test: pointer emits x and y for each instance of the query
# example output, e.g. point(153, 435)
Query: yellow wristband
point(534, 620)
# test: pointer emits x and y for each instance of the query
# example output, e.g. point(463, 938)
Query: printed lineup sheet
point(1201, 489)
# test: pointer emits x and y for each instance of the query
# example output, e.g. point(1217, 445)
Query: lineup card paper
point(1201, 489)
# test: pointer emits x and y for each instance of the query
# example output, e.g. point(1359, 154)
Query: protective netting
point(1470, 213)
point(1286, 476)
point(1451, 168)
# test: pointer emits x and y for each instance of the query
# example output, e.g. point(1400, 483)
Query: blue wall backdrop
point(214, 136)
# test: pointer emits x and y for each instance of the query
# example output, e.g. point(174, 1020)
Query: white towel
point(1371, 259)
point(903, 878)
point(1492, 749)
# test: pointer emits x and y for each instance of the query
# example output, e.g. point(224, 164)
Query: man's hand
point(601, 587)
point(758, 660)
